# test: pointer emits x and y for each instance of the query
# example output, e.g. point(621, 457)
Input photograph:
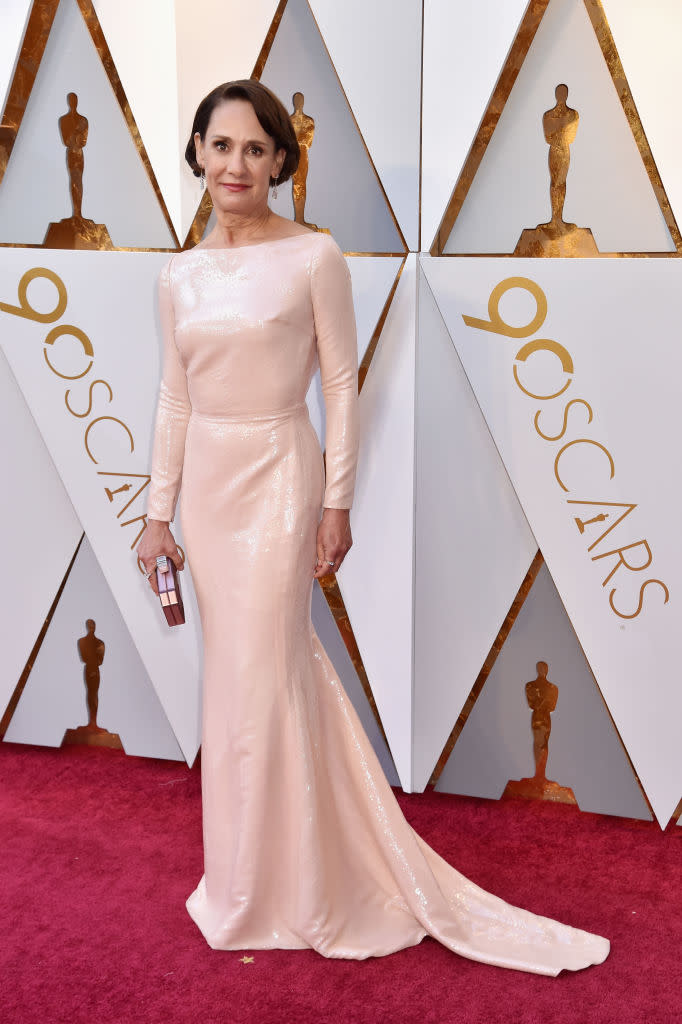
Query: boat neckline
point(251, 245)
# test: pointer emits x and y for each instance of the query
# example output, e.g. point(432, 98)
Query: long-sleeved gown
point(304, 842)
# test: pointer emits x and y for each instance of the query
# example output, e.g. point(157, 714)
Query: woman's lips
point(234, 188)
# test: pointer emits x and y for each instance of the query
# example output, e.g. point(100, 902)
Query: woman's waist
point(250, 416)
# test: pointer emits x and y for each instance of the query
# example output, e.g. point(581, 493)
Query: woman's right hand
point(158, 540)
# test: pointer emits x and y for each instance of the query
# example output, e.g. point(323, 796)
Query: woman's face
point(238, 157)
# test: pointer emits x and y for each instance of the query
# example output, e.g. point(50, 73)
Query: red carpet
point(99, 852)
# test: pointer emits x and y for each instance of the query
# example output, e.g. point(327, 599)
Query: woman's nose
point(236, 162)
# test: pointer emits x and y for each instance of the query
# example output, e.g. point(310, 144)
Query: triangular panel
point(344, 194)
point(592, 477)
point(35, 505)
point(473, 544)
point(376, 576)
point(116, 192)
point(142, 40)
point(607, 187)
point(99, 434)
point(465, 46)
point(496, 744)
point(386, 105)
point(54, 699)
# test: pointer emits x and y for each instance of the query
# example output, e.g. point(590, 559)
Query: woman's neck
point(236, 229)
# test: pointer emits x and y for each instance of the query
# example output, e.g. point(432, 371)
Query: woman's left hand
point(333, 540)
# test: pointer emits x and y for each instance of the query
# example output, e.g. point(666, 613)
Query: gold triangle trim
point(517, 54)
point(23, 678)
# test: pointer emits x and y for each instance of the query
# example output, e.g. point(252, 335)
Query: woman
point(304, 842)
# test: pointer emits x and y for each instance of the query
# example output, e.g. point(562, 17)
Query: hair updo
point(269, 110)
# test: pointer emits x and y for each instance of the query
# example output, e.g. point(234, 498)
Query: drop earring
point(274, 187)
point(202, 181)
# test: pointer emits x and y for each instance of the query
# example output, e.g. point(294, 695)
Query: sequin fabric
point(305, 845)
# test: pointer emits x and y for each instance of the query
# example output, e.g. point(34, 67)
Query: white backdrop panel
point(608, 189)
point(343, 193)
point(473, 543)
point(600, 311)
point(111, 298)
point(376, 577)
point(647, 37)
point(465, 47)
point(116, 193)
point(54, 699)
point(13, 18)
point(496, 744)
point(386, 96)
point(141, 38)
point(36, 505)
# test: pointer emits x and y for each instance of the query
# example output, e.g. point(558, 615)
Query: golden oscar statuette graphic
point(542, 696)
point(76, 232)
point(91, 651)
point(556, 237)
point(304, 127)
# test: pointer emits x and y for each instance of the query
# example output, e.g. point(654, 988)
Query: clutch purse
point(168, 581)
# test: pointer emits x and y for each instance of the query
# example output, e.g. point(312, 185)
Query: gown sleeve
point(337, 351)
point(172, 415)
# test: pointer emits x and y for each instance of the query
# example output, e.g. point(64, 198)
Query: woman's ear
point(199, 148)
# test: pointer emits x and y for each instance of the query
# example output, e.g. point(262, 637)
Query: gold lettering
point(640, 602)
point(499, 326)
point(75, 332)
point(87, 412)
point(138, 519)
point(99, 420)
point(544, 345)
point(581, 440)
point(25, 308)
point(624, 561)
point(557, 437)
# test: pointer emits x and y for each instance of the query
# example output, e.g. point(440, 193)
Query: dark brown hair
point(269, 110)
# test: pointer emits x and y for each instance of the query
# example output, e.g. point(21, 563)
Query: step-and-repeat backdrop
point(505, 178)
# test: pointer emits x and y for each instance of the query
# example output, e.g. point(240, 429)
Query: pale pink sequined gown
point(304, 842)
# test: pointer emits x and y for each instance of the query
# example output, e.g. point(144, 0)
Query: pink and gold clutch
point(169, 591)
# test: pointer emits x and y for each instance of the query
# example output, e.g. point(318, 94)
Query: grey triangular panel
point(585, 753)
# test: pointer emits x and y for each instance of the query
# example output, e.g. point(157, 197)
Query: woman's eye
point(257, 150)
